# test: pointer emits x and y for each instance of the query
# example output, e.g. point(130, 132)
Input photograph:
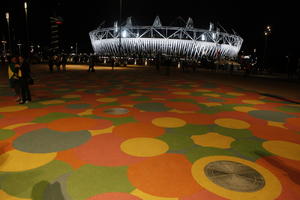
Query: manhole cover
point(234, 176)
point(116, 111)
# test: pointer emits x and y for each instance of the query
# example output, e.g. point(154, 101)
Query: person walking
point(14, 74)
point(25, 80)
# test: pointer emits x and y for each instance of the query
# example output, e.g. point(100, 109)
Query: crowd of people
point(19, 75)
point(58, 61)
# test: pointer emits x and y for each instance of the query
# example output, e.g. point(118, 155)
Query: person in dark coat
point(91, 64)
point(25, 80)
point(64, 62)
point(14, 75)
point(51, 63)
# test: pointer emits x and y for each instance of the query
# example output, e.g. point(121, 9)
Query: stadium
point(185, 42)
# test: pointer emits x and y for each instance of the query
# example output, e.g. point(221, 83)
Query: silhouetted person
point(25, 80)
point(91, 64)
point(51, 63)
point(64, 62)
point(57, 62)
point(14, 75)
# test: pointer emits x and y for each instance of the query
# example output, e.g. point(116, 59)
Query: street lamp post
point(120, 31)
point(27, 28)
point(8, 30)
point(19, 45)
point(267, 33)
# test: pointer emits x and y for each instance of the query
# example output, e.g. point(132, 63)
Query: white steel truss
point(148, 41)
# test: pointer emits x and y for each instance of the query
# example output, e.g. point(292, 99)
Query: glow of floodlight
point(203, 37)
point(214, 36)
point(7, 16)
point(124, 33)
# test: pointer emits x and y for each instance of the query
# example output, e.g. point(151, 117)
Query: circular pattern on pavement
point(168, 122)
point(114, 196)
point(46, 141)
point(116, 111)
point(78, 124)
point(167, 175)
point(284, 149)
point(152, 107)
point(270, 115)
point(254, 102)
point(15, 161)
point(12, 108)
point(185, 106)
point(104, 150)
point(144, 147)
point(138, 129)
point(293, 123)
point(244, 108)
point(107, 100)
point(271, 189)
point(232, 123)
point(234, 176)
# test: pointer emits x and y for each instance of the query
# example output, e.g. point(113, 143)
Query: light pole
point(8, 30)
point(267, 33)
point(120, 30)
point(27, 28)
point(19, 45)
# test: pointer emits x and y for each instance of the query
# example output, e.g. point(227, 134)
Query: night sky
point(247, 18)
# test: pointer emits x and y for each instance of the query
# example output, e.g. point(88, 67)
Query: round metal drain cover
point(234, 176)
point(116, 111)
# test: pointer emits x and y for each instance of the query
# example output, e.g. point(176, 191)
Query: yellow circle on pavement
point(271, 190)
point(144, 147)
point(232, 123)
point(244, 108)
point(107, 100)
point(284, 149)
point(253, 102)
point(168, 122)
point(12, 108)
point(15, 161)
point(181, 93)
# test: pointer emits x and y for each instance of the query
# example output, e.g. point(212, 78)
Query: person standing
point(64, 62)
point(51, 63)
point(25, 80)
point(14, 74)
point(57, 62)
point(91, 64)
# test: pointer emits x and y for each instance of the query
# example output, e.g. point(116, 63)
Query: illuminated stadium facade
point(148, 41)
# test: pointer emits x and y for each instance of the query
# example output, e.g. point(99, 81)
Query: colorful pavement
point(136, 135)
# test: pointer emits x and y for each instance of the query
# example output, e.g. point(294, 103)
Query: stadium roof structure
point(148, 41)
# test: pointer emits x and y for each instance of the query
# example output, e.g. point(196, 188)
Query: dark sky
point(248, 18)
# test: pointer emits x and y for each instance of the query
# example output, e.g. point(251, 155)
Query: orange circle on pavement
point(78, 124)
point(167, 175)
point(138, 129)
point(293, 123)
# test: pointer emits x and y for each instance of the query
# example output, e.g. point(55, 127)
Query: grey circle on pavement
point(116, 111)
point(234, 176)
